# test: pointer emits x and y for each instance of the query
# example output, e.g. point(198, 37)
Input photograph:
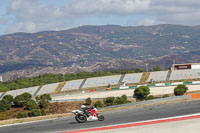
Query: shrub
point(6, 104)
point(43, 112)
point(150, 97)
point(9, 98)
point(180, 90)
point(43, 100)
point(22, 115)
point(27, 96)
point(166, 95)
point(141, 92)
point(21, 100)
point(120, 100)
point(98, 104)
point(124, 97)
point(34, 113)
point(109, 101)
point(2, 107)
point(31, 104)
point(88, 101)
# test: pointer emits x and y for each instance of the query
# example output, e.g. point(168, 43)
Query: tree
point(31, 104)
point(21, 100)
point(180, 90)
point(6, 104)
point(43, 100)
point(157, 68)
point(2, 107)
point(88, 101)
point(141, 92)
point(9, 98)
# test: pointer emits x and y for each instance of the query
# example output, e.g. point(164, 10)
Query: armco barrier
point(187, 83)
point(132, 87)
point(151, 85)
point(115, 88)
point(168, 84)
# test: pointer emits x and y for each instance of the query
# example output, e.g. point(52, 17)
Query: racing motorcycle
point(87, 114)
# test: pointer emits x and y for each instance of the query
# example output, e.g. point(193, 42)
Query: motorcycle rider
point(89, 111)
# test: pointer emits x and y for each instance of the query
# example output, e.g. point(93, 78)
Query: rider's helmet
point(83, 106)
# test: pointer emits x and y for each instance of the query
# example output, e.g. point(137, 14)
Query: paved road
point(114, 117)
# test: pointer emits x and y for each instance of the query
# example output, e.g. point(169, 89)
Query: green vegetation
point(43, 100)
point(141, 92)
point(21, 100)
point(34, 113)
point(158, 68)
point(150, 97)
point(98, 104)
point(109, 101)
point(31, 104)
point(180, 90)
point(31, 107)
point(88, 101)
point(166, 95)
point(22, 115)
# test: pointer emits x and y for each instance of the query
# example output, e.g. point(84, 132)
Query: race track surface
point(111, 118)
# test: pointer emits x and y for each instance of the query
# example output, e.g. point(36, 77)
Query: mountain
point(91, 48)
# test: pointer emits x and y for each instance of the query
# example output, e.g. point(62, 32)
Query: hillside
point(92, 48)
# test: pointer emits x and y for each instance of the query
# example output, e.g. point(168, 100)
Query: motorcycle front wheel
point(80, 118)
point(101, 118)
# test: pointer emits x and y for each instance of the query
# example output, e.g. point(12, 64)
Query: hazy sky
point(38, 15)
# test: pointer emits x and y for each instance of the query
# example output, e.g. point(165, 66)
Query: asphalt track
point(111, 118)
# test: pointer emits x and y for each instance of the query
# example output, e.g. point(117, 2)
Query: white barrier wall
point(72, 85)
point(101, 81)
point(14, 93)
point(158, 76)
point(185, 74)
point(132, 78)
point(46, 89)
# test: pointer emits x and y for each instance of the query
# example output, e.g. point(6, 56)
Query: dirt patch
point(63, 107)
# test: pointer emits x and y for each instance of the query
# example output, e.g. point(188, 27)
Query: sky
point(38, 15)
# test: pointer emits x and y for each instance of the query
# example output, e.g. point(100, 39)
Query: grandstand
point(157, 76)
point(47, 89)
point(185, 74)
point(132, 78)
point(101, 81)
point(72, 85)
point(14, 93)
point(135, 78)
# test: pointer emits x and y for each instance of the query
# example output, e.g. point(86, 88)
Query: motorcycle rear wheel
point(80, 118)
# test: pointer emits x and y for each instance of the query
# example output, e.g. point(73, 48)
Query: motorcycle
point(83, 115)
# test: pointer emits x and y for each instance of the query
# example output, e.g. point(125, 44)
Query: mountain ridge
point(86, 47)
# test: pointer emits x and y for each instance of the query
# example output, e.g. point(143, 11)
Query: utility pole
point(147, 67)
point(63, 77)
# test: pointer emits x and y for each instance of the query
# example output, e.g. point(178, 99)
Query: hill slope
point(91, 48)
